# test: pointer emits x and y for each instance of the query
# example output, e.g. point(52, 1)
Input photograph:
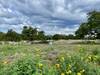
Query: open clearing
point(48, 55)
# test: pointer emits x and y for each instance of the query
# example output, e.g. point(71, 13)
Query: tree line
point(89, 30)
point(30, 34)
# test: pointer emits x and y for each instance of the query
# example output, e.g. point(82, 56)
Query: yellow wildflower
point(69, 72)
point(69, 66)
point(62, 74)
point(82, 71)
point(79, 73)
point(5, 62)
point(62, 58)
point(57, 65)
point(40, 65)
point(95, 57)
point(89, 57)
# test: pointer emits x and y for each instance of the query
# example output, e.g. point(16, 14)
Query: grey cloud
point(59, 15)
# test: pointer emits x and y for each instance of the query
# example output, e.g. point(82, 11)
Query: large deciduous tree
point(91, 27)
point(12, 36)
point(29, 33)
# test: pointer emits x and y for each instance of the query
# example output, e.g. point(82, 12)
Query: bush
point(75, 65)
point(96, 52)
point(22, 67)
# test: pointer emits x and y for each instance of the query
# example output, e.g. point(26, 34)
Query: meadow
point(44, 59)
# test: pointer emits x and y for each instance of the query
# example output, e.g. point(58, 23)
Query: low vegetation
point(43, 59)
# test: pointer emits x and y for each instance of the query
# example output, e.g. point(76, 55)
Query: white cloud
point(52, 16)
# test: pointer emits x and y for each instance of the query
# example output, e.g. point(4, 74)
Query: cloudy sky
point(52, 16)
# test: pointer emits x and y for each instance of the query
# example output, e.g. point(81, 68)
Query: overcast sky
point(52, 16)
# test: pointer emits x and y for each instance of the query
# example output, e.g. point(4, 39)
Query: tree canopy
point(91, 27)
point(29, 33)
point(12, 36)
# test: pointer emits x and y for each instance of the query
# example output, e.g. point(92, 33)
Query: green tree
point(70, 36)
point(82, 31)
point(91, 27)
point(25, 33)
point(2, 36)
point(29, 33)
point(41, 35)
point(12, 36)
point(58, 37)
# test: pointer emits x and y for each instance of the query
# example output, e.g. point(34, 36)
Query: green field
point(44, 59)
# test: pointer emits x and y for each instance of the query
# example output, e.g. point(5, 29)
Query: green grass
point(43, 59)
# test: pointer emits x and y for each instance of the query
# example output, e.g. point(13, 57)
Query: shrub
point(96, 52)
point(22, 67)
point(74, 65)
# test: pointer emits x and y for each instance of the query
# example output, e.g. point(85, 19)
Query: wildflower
point(5, 62)
point(62, 74)
point(69, 66)
point(69, 72)
point(57, 65)
point(89, 57)
point(95, 57)
point(40, 65)
point(79, 73)
point(82, 71)
point(62, 58)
